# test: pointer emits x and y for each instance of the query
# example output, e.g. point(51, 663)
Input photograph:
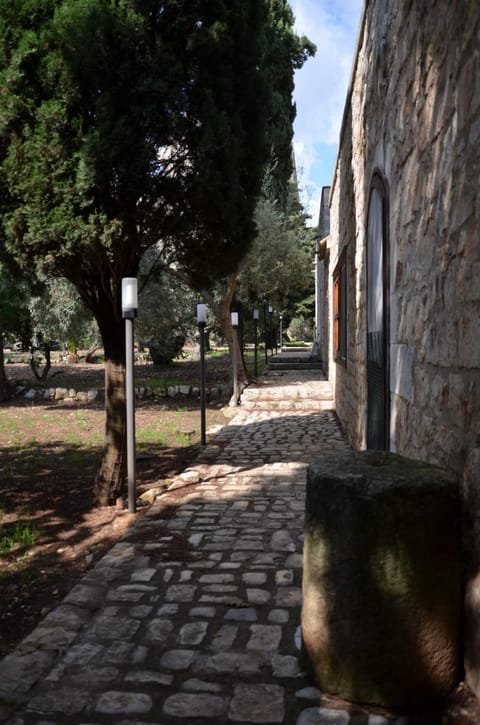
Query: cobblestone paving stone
point(194, 617)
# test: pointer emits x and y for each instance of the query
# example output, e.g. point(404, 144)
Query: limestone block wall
point(413, 114)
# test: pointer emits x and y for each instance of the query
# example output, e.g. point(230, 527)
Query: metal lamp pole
point(129, 312)
point(270, 312)
point(202, 321)
point(265, 333)
point(281, 332)
point(234, 317)
point(255, 332)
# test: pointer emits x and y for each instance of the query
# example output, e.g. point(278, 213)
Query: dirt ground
point(49, 452)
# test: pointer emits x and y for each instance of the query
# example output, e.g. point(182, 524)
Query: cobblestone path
point(194, 616)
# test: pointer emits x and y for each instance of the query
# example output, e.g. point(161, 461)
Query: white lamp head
point(201, 314)
point(255, 314)
point(234, 319)
point(129, 297)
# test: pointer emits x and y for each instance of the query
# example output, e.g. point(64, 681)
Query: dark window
point(378, 397)
point(340, 311)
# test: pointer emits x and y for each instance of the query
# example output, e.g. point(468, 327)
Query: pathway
point(194, 615)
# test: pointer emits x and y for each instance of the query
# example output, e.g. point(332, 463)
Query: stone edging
point(216, 392)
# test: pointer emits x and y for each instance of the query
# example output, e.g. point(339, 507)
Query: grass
point(21, 534)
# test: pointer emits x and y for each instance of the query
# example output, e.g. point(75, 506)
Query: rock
point(190, 476)
point(382, 578)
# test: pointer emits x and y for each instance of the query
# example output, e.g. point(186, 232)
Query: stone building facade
point(402, 261)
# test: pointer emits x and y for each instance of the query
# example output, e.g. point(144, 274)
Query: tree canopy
point(126, 124)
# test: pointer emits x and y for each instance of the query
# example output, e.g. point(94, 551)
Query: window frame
point(340, 310)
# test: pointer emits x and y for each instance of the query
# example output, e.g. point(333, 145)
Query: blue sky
point(320, 90)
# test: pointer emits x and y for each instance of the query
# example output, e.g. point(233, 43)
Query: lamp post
point(202, 321)
point(270, 312)
point(129, 312)
point(265, 333)
point(234, 318)
point(281, 332)
point(255, 333)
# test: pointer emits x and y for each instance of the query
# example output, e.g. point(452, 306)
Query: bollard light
point(256, 315)
point(129, 297)
point(202, 321)
point(201, 314)
point(265, 333)
point(129, 312)
point(270, 312)
point(234, 320)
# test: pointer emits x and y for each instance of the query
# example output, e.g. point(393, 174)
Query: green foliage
point(166, 310)
point(279, 265)
point(58, 313)
point(21, 534)
point(15, 323)
point(126, 122)
point(300, 329)
point(286, 52)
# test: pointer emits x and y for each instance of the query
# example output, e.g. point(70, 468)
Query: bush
point(300, 329)
point(165, 351)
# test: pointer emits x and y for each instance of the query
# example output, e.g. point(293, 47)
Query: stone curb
point(217, 392)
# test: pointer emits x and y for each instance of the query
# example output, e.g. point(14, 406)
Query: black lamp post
point(281, 332)
point(129, 312)
point(202, 321)
point(270, 312)
point(255, 333)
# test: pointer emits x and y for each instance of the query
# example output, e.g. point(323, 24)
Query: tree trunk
point(110, 478)
point(4, 386)
point(91, 351)
point(42, 374)
point(222, 313)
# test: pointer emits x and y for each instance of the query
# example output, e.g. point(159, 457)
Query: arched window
point(340, 310)
point(378, 395)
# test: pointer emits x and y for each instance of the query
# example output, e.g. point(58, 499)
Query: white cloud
point(321, 85)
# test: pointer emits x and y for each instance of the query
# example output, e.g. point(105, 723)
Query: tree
point(166, 310)
point(57, 314)
point(122, 124)
point(278, 266)
point(14, 320)
point(285, 52)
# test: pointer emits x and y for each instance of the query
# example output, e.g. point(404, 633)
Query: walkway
point(194, 616)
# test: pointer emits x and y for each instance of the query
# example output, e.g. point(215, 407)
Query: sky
point(320, 91)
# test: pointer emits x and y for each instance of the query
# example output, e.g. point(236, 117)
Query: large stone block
point(382, 578)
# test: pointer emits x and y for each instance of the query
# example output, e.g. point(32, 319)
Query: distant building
point(401, 263)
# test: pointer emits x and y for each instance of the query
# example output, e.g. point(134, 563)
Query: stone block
point(382, 578)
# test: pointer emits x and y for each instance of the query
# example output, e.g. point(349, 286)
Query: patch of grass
point(21, 534)
point(80, 419)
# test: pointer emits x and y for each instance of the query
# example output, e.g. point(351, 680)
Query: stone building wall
point(413, 115)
